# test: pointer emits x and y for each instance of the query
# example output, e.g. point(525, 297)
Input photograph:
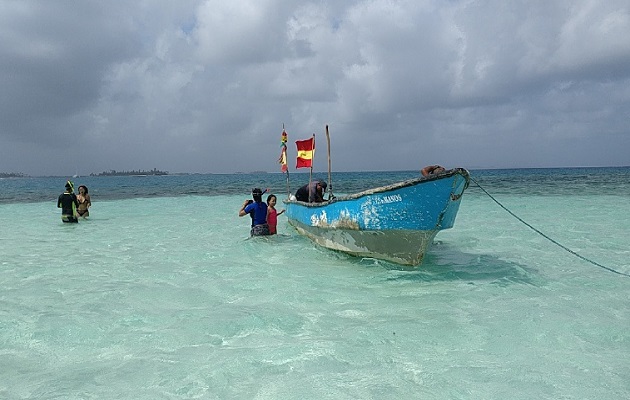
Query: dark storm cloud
point(205, 86)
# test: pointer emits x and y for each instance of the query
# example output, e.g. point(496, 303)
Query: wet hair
point(257, 194)
point(271, 196)
point(84, 187)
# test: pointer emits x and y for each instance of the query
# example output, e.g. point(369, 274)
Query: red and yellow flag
point(305, 152)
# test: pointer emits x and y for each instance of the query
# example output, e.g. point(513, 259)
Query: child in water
point(272, 214)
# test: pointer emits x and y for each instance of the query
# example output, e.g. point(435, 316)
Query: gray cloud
point(205, 86)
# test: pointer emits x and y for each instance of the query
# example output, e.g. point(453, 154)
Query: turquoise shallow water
point(167, 298)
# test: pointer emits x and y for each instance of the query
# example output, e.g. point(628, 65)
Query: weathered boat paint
point(396, 223)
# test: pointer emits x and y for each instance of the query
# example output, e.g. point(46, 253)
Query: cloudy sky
point(206, 85)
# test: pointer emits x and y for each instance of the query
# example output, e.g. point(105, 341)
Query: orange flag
point(305, 152)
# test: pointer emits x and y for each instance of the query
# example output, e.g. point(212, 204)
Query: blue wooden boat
point(396, 222)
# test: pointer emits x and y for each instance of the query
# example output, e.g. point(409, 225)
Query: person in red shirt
point(272, 214)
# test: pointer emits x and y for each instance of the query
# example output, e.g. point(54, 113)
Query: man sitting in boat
point(314, 195)
point(432, 170)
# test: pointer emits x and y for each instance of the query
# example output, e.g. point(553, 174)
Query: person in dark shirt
point(314, 195)
point(68, 203)
point(259, 220)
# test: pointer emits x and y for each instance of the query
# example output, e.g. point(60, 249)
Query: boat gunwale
point(387, 188)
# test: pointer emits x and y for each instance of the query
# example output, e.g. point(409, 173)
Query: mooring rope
point(545, 236)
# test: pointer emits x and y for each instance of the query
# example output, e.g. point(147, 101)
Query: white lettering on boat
point(394, 198)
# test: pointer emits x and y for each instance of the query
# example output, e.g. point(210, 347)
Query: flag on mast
point(283, 155)
point(305, 152)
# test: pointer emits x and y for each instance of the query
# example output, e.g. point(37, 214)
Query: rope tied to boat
point(546, 236)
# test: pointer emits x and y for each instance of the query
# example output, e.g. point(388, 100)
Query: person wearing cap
point(313, 195)
point(68, 203)
point(259, 210)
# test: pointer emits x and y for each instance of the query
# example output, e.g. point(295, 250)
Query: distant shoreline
point(17, 175)
point(13, 175)
point(113, 172)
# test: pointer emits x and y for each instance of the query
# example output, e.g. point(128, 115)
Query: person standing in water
point(272, 214)
point(68, 203)
point(259, 224)
point(84, 202)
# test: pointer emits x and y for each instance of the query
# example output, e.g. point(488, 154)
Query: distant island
point(252, 172)
point(113, 172)
point(12, 175)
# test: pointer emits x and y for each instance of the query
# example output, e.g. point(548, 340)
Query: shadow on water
point(445, 262)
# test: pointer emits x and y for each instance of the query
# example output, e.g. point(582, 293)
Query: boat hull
point(396, 223)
